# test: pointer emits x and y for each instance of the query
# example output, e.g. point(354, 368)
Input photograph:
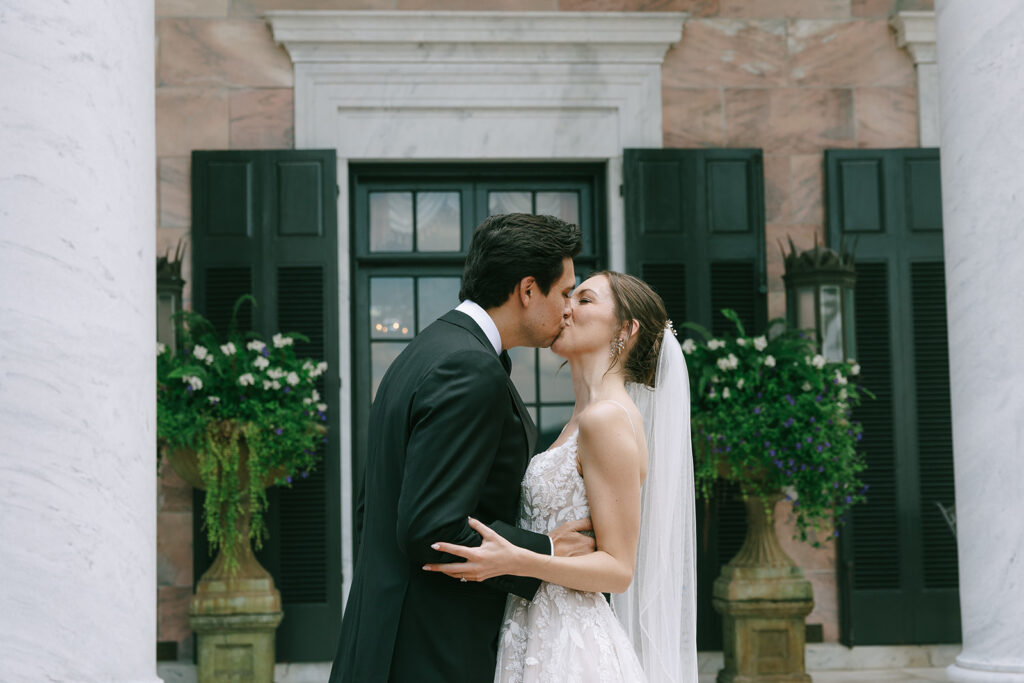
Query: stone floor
point(826, 662)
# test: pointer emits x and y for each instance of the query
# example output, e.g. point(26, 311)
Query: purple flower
point(791, 462)
point(243, 397)
point(788, 423)
point(811, 420)
point(818, 398)
point(287, 390)
point(798, 445)
point(778, 463)
point(821, 468)
point(859, 437)
point(767, 444)
point(836, 485)
point(820, 449)
point(305, 474)
point(189, 389)
point(757, 410)
point(289, 480)
point(803, 467)
point(759, 394)
point(796, 504)
point(828, 444)
point(279, 431)
point(789, 398)
point(266, 354)
point(836, 534)
point(323, 440)
point(809, 439)
point(849, 499)
point(865, 489)
point(772, 452)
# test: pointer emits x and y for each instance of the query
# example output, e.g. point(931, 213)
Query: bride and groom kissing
point(479, 562)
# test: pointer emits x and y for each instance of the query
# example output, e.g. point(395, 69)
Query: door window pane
point(438, 221)
point(508, 202)
point(391, 307)
point(524, 373)
point(382, 354)
point(552, 420)
point(555, 383)
point(564, 205)
point(436, 296)
point(391, 221)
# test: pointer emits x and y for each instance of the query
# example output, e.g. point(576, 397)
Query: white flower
point(228, 349)
point(292, 378)
point(769, 361)
point(247, 380)
point(209, 359)
point(723, 363)
point(281, 341)
point(275, 384)
point(316, 395)
point(322, 407)
point(818, 361)
point(842, 394)
point(307, 401)
point(161, 348)
point(733, 362)
point(200, 352)
point(193, 382)
point(725, 392)
point(741, 341)
point(261, 362)
point(275, 373)
point(712, 394)
point(739, 384)
point(715, 379)
point(267, 384)
point(806, 386)
point(256, 345)
point(715, 344)
point(689, 346)
point(840, 380)
point(320, 368)
point(214, 400)
point(760, 343)
point(855, 370)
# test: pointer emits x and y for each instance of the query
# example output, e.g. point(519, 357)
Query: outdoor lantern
point(168, 296)
point(819, 297)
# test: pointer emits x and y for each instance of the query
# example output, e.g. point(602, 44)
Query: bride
point(624, 459)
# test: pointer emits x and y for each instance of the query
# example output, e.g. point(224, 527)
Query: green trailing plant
point(770, 413)
point(248, 409)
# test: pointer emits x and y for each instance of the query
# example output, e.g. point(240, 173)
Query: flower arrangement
point(772, 414)
point(234, 399)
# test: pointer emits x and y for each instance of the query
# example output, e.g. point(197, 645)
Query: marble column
point(77, 335)
point(915, 31)
point(981, 93)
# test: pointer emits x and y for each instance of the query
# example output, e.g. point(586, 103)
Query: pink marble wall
point(792, 77)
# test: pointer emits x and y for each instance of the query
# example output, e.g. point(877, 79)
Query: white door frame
point(471, 86)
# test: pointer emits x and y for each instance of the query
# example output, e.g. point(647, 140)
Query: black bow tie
point(506, 362)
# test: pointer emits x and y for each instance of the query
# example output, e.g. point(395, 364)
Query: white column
point(915, 31)
point(981, 49)
point(77, 334)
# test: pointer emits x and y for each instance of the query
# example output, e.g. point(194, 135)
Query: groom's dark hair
point(508, 247)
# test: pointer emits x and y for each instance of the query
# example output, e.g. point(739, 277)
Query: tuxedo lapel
point(460, 319)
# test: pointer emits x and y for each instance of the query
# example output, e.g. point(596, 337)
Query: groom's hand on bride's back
point(568, 539)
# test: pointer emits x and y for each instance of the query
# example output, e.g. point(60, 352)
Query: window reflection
point(382, 354)
point(391, 221)
point(437, 221)
point(435, 297)
point(524, 373)
point(564, 205)
point(509, 202)
point(391, 307)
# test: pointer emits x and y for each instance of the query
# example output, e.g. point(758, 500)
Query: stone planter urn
point(763, 598)
point(234, 614)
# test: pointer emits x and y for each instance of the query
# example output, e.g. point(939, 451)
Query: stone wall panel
point(692, 117)
point(847, 53)
point(729, 53)
point(789, 120)
point(886, 117)
point(262, 119)
point(231, 53)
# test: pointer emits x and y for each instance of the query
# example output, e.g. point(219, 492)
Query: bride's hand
point(493, 557)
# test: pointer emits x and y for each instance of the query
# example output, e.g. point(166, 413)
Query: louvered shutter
point(898, 579)
point(265, 222)
point(695, 233)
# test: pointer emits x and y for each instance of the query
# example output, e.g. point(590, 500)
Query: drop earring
point(616, 347)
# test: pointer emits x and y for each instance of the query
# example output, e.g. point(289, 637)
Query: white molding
point(473, 86)
point(916, 32)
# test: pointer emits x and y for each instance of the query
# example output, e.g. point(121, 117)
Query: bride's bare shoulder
point(608, 426)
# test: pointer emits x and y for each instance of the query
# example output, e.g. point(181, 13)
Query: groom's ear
point(526, 289)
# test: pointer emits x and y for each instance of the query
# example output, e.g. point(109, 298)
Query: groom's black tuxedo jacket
point(448, 437)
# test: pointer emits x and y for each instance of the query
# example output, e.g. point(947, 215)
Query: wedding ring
point(463, 579)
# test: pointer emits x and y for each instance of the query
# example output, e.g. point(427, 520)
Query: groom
point(450, 438)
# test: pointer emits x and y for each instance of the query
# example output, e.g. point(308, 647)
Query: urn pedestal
point(235, 614)
point(763, 598)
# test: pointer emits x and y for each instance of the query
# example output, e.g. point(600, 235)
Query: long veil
point(659, 610)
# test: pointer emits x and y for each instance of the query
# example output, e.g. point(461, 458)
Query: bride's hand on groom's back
point(569, 541)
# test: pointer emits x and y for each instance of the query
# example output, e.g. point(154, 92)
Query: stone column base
point(236, 647)
point(763, 610)
point(979, 675)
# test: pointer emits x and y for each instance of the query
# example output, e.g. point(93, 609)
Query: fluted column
point(77, 334)
point(980, 50)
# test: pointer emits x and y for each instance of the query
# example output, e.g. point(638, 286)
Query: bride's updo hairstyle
point(635, 300)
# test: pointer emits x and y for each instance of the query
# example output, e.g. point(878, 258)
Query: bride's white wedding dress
point(562, 635)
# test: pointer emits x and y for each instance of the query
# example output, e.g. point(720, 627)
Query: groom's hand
point(568, 541)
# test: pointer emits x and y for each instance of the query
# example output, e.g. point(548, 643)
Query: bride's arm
point(611, 463)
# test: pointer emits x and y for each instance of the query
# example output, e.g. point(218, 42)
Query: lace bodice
point(553, 490)
point(562, 635)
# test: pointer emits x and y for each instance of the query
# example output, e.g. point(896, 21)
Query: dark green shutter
point(898, 578)
point(265, 222)
point(695, 233)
